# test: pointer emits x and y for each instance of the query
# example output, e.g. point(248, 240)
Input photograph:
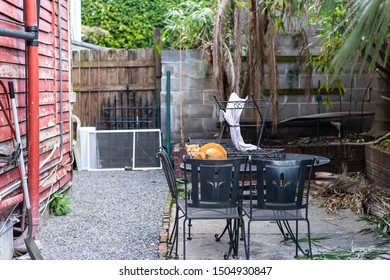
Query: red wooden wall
point(54, 113)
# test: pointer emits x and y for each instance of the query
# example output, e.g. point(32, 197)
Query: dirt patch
point(326, 140)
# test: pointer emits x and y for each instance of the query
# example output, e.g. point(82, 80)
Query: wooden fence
point(116, 89)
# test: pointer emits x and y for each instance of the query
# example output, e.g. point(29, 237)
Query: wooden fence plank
point(84, 99)
point(136, 87)
point(103, 76)
point(116, 64)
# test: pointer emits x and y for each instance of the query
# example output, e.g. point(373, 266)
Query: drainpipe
point(31, 36)
point(169, 113)
point(33, 109)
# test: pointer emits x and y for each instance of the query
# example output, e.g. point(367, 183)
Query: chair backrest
point(281, 184)
point(214, 183)
point(168, 171)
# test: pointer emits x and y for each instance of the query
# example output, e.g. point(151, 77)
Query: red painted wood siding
point(13, 68)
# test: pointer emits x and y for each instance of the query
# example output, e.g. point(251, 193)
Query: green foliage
point(355, 253)
point(129, 23)
point(303, 142)
point(353, 34)
point(329, 18)
point(93, 34)
point(180, 188)
point(60, 204)
point(368, 253)
point(378, 225)
point(190, 24)
point(367, 31)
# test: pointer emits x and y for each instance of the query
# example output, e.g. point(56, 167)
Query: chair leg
point(184, 239)
point(309, 239)
point(243, 237)
point(173, 240)
point(297, 238)
point(176, 239)
point(234, 233)
point(172, 235)
point(218, 237)
point(230, 231)
point(294, 238)
point(242, 225)
point(236, 237)
point(189, 230)
point(248, 245)
point(285, 235)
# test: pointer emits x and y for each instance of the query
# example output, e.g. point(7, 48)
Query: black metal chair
point(171, 180)
point(281, 194)
point(213, 194)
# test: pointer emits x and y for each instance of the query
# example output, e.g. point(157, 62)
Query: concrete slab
point(329, 231)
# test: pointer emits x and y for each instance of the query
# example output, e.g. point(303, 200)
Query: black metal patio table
point(266, 154)
point(320, 160)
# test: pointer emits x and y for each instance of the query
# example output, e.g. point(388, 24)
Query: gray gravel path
point(115, 215)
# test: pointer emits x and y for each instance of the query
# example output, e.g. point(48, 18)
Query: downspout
point(33, 109)
point(31, 36)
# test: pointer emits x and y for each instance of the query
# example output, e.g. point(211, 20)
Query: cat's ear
point(186, 145)
point(197, 145)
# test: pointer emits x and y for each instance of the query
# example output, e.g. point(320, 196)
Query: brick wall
point(378, 165)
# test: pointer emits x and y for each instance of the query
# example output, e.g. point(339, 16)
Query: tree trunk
point(381, 123)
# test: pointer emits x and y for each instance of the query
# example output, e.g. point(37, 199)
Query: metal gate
point(127, 112)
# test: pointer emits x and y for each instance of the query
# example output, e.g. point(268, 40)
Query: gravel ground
point(115, 215)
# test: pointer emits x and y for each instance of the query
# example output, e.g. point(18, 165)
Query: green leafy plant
point(190, 23)
point(60, 204)
point(355, 37)
point(129, 23)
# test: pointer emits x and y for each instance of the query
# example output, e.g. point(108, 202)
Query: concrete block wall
point(200, 113)
point(199, 110)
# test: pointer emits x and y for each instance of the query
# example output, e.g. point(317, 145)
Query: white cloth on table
point(232, 117)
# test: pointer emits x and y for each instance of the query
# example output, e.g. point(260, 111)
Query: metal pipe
point(33, 110)
point(10, 189)
point(17, 34)
point(169, 113)
point(10, 202)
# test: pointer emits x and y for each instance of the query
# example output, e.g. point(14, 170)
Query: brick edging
point(163, 245)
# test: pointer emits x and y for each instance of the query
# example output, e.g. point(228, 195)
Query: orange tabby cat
point(207, 151)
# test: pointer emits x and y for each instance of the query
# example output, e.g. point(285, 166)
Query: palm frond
point(367, 34)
